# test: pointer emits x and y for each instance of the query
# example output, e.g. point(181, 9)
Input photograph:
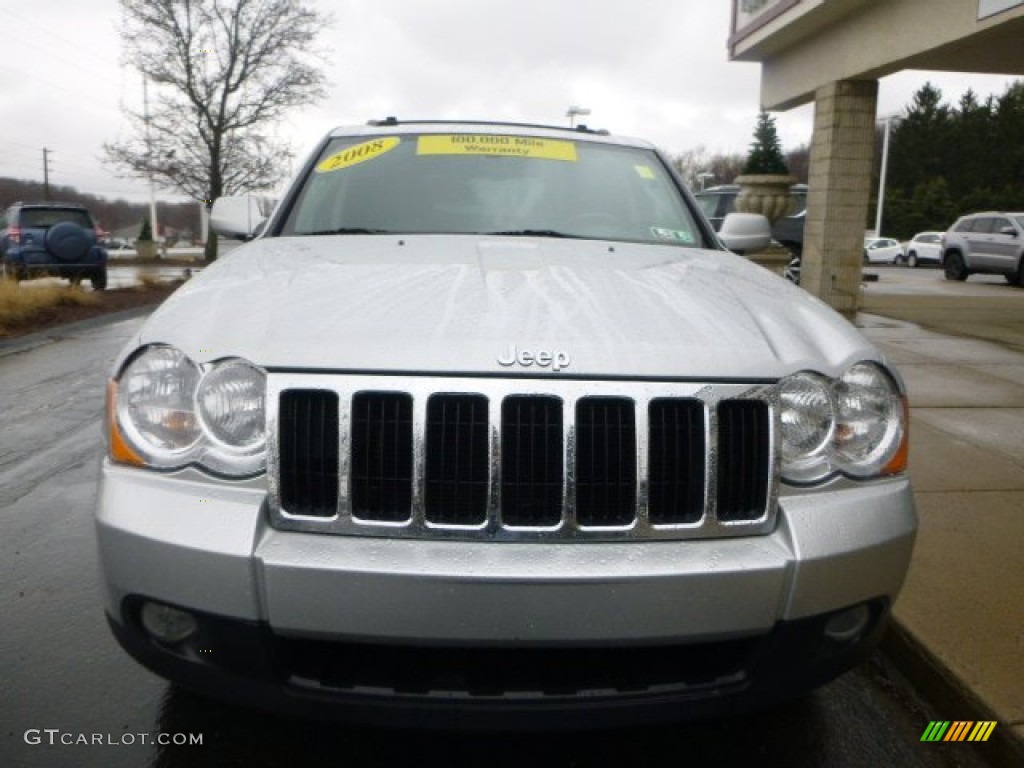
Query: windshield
point(491, 184)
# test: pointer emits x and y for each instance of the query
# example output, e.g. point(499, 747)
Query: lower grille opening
point(511, 672)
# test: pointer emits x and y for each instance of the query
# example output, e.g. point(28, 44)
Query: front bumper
point(281, 611)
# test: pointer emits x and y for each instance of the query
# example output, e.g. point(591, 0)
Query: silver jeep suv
point(989, 243)
point(486, 427)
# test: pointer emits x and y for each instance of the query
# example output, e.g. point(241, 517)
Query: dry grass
point(22, 305)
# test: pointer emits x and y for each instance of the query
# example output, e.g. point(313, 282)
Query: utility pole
point(46, 173)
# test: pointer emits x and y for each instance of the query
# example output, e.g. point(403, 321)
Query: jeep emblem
point(553, 359)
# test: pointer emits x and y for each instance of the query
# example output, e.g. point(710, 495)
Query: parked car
point(57, 239)
point(882, 250)
point(924, 248)
point(718, 202)
point(988, 243)
point(488, 427)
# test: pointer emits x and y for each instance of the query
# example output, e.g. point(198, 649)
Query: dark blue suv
point(58, 239)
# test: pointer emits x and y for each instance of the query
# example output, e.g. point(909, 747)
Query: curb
point(949, 695)
point(42, 338)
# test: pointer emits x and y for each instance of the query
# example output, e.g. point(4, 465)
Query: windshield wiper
point(531, 233)
point(350, 231)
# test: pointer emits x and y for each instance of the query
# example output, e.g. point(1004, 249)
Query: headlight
point(855, 425)
point(155, 403)
point(807, 416)
point(231, 404)
point(870, 420)
point(167, 412)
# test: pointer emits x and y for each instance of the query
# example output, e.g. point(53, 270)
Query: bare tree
point(723, 168)
point(691, 163)
point(225, 71)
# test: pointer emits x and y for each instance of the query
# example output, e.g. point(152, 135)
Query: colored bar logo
point(958, 730)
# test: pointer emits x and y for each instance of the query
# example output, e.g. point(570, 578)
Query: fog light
point(167, 624)
point(849, 625)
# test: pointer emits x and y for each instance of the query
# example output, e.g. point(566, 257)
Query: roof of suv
point(77, 206)
point(991, 213)
point(391, 126)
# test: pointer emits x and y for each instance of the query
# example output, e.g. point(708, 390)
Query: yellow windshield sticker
point(644, 172)
point(359, 153)
point(506, 146)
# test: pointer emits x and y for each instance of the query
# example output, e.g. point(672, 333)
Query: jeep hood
point(458, 304)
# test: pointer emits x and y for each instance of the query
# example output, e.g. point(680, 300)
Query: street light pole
point(575, 111)
point(887, 120)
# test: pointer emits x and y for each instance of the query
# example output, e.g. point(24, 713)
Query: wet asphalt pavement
point(64, 679)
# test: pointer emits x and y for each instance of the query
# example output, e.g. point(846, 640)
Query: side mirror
point(742, 232)
point(241, 217)
point(1008, 231)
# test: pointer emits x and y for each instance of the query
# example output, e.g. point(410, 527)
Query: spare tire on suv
point(66, 241)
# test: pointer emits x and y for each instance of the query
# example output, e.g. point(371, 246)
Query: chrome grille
point(515, 459)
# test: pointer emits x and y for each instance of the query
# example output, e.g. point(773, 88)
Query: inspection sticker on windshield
point(678, 235)
point(359, 153)
point(644, 171)
point(507, 146)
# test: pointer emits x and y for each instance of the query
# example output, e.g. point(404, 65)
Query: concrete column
point(842, 154)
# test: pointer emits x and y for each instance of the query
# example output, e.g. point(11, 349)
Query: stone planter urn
point(767, 194)
point(145, 249)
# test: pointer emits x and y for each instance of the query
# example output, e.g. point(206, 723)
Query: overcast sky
point(651, 68)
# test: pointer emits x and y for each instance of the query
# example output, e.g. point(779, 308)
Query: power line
point(88, 53)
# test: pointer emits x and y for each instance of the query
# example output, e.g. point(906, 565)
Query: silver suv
point(487, 427)
point(990, 243)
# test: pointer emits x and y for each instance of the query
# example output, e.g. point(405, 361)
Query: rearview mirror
point(742, 232)
point(240, 216)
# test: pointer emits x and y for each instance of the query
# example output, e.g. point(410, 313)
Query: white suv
point(487, 427)
point(991, 243)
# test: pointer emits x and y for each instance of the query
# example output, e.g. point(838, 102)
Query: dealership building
point(832, 53)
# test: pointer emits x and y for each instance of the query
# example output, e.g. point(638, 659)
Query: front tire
point(1018, 277)
point(954, 267)
point(912, 260)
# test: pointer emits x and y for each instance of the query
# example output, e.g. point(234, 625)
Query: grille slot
point(381, 464)
point(308, 452)
point(605, 461)
point(457, 473)
point(676, 464)
point(531, 461)
point(744, 458)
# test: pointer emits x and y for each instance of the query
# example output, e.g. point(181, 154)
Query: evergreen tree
point(146, 231)
point(766, 152)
